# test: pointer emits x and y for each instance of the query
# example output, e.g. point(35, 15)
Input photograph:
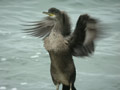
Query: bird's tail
point(65, 87)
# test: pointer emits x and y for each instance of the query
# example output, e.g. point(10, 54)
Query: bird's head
point(54, 13)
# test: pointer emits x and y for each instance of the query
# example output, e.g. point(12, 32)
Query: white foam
point(100, 74)
point(34, 56)
point(14, 89)
point(38, 53)
point(3, 88)
point(23, 83)
point(3, 59)
point(23, 36)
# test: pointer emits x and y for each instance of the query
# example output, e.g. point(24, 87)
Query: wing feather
point(82, 39)
point(41, 28)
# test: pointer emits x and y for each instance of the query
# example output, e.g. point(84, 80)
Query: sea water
point(25, 64)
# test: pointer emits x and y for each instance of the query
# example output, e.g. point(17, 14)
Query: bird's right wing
point(41, 28)
point(82, 39)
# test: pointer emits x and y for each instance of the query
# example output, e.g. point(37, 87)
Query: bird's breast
point(56, 42)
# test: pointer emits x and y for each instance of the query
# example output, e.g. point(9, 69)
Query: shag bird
point(62, 45)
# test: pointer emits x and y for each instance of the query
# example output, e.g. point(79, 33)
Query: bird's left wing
point(41, 28)
point(82, 39)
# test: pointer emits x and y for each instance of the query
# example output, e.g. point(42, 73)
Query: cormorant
point(62, 45)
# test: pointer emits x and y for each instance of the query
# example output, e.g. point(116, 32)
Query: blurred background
point(25, 64)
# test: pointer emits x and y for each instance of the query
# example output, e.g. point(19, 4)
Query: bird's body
point(56, 42)
point(62, 45)
point(62, 70)
point(62, 66)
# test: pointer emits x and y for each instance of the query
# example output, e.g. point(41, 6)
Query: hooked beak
point(50, 14)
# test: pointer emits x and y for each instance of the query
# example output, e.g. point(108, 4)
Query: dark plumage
point(62, 44)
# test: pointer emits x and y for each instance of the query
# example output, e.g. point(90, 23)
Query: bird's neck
point(58, 27)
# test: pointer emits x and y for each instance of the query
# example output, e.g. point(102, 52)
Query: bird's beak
point(50, 14)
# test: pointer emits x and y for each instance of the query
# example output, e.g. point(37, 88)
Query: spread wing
point(82, 39)
point(41, 28)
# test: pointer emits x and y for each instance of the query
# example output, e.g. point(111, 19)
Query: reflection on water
point(24, 63)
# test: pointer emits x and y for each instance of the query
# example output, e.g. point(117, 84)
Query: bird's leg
point(70, 86)
point(57, 86)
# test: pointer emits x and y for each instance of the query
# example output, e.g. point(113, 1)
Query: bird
point(63, 44)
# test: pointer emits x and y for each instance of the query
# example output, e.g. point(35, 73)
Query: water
point(24, 63)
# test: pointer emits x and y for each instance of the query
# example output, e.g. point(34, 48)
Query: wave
point(100, 75)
